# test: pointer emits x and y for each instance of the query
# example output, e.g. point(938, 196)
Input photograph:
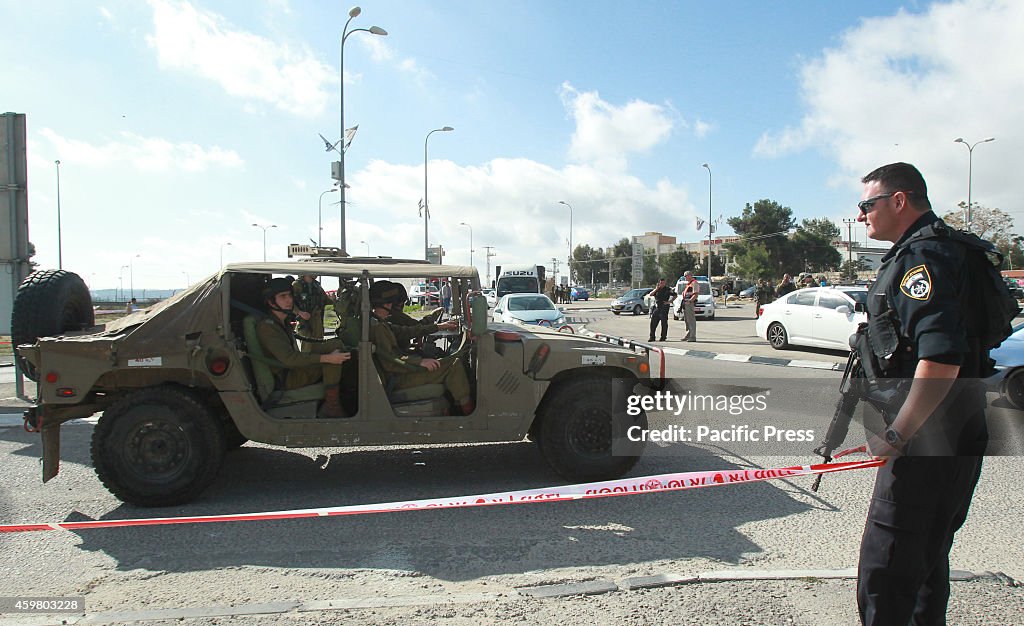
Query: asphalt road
point(471, 565)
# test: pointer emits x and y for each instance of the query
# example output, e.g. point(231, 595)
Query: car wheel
point(637, 309)
point(615, 312)
point(158, 446)
point(49, 303)
point(1013, 388)
point(777, 336)
point(577, 428)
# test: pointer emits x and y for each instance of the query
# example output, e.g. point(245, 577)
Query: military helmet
point(276, 286)
point(383, 292)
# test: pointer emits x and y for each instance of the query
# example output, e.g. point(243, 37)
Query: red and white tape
point(621, 487)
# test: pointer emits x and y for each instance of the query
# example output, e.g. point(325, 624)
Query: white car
point(822, 317)
point(704, 308)
point(491, 296)
point(528, 308)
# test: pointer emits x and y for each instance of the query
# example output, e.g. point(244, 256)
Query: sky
point(179, 124)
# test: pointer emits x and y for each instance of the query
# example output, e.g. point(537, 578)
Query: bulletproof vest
point(310, 296)
point(894, 354)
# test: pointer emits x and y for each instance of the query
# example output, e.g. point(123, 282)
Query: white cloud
point(245, 65)
point(903, 87)
point(150, 154)
point(606, 134)
point(702, 128)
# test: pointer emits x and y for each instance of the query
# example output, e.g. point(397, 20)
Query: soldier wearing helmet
point(299, 369)
point(405, 370)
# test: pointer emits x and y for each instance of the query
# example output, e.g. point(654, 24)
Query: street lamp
point(120, 280)
point(373, 30)
point(60, 258)
point(265, 238)
point(708, 167)
point(570, 238)
point(470, 241)
point(426, 205)
point(320, 218)
point(968, 214)
point(222, 252)
point(367, 247)
point(131, 274)
point(188, 281)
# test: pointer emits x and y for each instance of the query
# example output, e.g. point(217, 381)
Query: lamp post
point(188, 281)
point(426, 205)
point(969, 213)
point(222, 252)
point(120, 280)
point(265, 238)
point(320, 218)
point(367, 247)
point(708, 167)
point(60, 257)
point(470, 241)
point(374, 30)
point(131, 274)
point(569, 271)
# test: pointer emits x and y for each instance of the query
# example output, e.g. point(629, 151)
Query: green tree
point(676, 262)
point(765, 224)
point(753, 262)
point(849, 269)
point(588, 263)
point(652, 272)
point(813, 244)
point(622, 264)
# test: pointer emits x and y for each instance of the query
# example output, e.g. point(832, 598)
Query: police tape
point(584, 491)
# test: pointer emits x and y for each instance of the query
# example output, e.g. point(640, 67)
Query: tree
point(849, 269)
point(588, 264)
point(676, 262)
point(813, 243)
point(622, 265)
point(651, 272)
point(765, 224)
point(753, 263)
point(991, 224)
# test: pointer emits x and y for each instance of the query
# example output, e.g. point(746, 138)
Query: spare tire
point(49, 303)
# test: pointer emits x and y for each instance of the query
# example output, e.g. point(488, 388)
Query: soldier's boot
point(331, 408)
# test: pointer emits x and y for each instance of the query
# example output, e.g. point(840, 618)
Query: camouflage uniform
point(300, 368)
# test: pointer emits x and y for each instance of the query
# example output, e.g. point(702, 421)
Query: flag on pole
point(700, 223)
point(420, 212)
point(350, 134)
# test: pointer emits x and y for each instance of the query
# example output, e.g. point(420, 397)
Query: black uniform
point(916, 310)
point(659, 312)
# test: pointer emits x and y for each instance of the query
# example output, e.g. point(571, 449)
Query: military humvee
point(184, 380)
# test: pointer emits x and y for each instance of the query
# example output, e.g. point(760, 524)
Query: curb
point(718, 356)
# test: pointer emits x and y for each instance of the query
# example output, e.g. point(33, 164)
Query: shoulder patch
point(917, 283)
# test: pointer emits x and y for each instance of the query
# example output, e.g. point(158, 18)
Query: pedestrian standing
point(663, 297)
point(689, 296)
point(762, 296)
point(446, 297)
point(786, 286)
point(917, 314)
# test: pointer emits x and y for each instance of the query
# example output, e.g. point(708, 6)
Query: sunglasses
point(866, 205)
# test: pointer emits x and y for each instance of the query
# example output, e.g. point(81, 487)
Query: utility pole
point(849, 239)
point(489, 255)
point(554, 269)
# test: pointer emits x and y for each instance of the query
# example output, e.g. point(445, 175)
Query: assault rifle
point(860, 382)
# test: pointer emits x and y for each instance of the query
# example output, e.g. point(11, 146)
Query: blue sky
point(180, 123)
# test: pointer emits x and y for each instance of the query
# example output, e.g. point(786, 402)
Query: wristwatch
point(894, 439)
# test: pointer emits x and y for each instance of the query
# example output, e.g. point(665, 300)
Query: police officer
point(410, 370)
point(663, 297)
point(276, 337)
point(935, 439)
point(310, 300)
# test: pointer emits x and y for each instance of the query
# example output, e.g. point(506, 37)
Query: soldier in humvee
point(322, 364)
point(405, 370)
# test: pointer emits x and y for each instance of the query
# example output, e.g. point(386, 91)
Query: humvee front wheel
point(577, 428)
point(158, 446)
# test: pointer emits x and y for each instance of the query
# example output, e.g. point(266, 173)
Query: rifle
point(839, 427)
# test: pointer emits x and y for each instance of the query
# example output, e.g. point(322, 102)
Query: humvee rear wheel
point(49, 303)
point(158, 446)
point(577, 428)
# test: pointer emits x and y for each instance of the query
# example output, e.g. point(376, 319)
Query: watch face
point(891, 436)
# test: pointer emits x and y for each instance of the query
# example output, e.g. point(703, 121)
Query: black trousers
point(918, 505)
point(659, 314)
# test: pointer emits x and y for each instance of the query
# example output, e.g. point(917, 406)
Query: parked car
point(704, 308)
point(822, 317)
point(749, 292)
point(579, 293)
point(529, 308)
point(491, 296)
point(1015, 289)
point(1009, 377)
point(631, 301)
